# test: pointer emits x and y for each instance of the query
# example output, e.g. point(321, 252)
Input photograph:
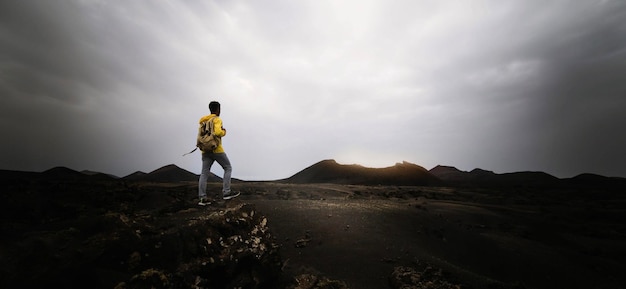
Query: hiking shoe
point(231, 195)
point(204, 202)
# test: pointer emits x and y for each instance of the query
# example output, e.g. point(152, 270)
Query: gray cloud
point(506, 86)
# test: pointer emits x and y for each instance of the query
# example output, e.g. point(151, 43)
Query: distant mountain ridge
point(92, 173)
point(405, 173)
point(168, 173)
point(329, 171)
point(56, 173)
point(479, 177)
point(454, 175)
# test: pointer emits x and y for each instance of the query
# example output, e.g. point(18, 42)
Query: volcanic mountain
point(482, 177)
point(168, 173)
point(56, 173)
point(92, 173)
point(329, 171)
point(479, 177)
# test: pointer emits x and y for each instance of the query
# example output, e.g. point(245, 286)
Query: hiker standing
point(217, 154)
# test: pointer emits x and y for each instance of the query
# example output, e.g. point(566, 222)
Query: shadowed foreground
point(142, 235)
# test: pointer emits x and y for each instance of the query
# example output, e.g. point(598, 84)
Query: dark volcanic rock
point(412, 278)
point(75, 233)
point(311, 281)
point(427, 276)
point(225, 249)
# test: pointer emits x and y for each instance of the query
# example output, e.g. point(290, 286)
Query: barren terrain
point(518, 238)
point(111, 233)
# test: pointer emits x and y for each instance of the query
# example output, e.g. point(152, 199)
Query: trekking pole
point(191, 151)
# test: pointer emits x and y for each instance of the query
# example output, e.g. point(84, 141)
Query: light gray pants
point(207, 161)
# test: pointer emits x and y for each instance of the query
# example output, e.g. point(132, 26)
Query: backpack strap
point(208, 125)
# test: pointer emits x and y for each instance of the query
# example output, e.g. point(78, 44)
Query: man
point(218, 154)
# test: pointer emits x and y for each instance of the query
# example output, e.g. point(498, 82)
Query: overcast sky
point(507, 86)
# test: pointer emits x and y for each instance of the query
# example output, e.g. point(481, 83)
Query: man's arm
point(218, 130)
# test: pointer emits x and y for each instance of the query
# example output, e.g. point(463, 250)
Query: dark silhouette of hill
point(479, 177)
point(594, 180)
point(168, 173)
point(54, 174)
point(329, 171)
point(482, 177)
point(136, 176)
point(451, 174)
point(92, 173)
point(7, 176)
point(527, 178)
point(62, 173)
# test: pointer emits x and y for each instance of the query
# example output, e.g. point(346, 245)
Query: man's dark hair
point(214, 106)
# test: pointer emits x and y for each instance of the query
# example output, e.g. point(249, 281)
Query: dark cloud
point(578, 115)
point(565, 115)
point(505, 86)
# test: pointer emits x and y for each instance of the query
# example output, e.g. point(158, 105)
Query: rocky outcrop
point(227, 248)
point(312, 281)
point(427, 278)
point(108, 235)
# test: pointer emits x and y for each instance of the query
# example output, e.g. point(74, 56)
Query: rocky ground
point(70, 234)
point(495, 238)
